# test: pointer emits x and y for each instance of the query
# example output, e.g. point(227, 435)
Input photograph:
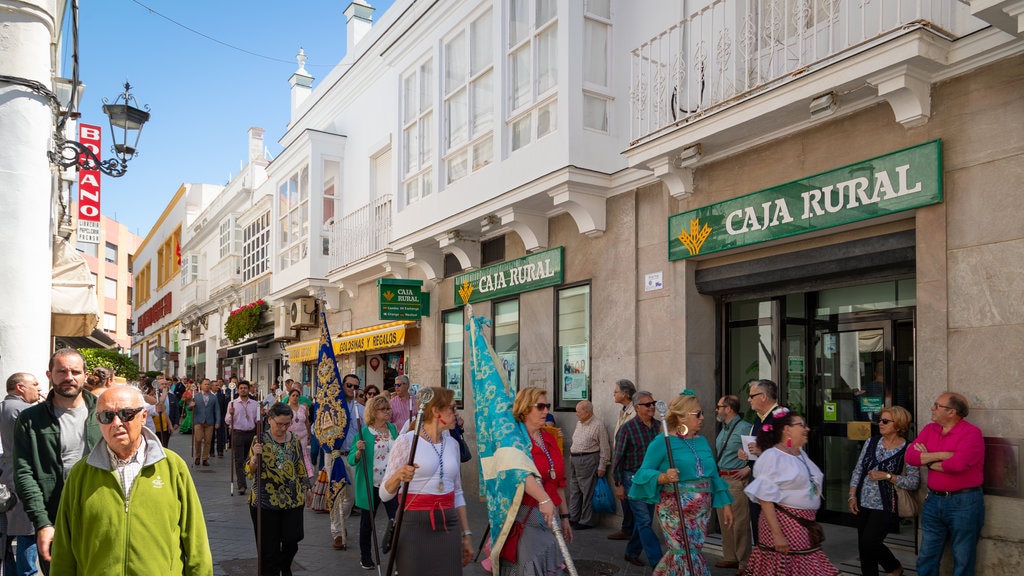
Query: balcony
point(194, 294)
point(362, 233)
point(226, 275)
point(732, 50)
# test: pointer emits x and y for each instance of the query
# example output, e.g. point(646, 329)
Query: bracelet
point(563, 516)
point(851, 499)
point(543, 502)
point(467, 532)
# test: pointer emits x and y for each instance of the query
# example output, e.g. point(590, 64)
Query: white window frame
point(536, 116)
point(189, 269)
point(230, 236)
point(256, 248)
point(416, 100)
point(293, 217)
point(597, 93)
point(470, 91)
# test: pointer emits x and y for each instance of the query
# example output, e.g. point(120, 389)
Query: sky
point(205, 87)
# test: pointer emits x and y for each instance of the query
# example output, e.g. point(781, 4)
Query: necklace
point(689, 443)
point(810, 477)
point(440, 460)
point(551, 461)
point(279, 451)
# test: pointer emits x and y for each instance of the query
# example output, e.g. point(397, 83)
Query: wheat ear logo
point(388, 295)
point(694, 239)
point(465, 291)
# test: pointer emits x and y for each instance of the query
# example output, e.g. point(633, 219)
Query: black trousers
point(240, 443)
point(366, 531)
point(872, 528)
point(279, 534)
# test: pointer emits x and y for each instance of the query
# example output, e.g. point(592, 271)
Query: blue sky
point(203, 95)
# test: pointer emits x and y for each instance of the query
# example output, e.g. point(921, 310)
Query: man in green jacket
point(158, 530)
point(49, 438)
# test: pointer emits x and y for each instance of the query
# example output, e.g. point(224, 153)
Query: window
point(230, 238)
point(451, 350)
point(256, 248)
point(417, 133)
point(141, 285)
point(468, 97)
point(330, 190)
point(572, 376)
point(168, 257)
point(189, 269)
point(110, 253)
point(533, 69)
point(492, 251)
point(87, 248)
point(293, 204)
point(596, 40)
point(506, 339)
point(452, 266)
point(109, 288)
point(110, 322)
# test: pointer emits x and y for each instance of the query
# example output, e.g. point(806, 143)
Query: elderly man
point(953, 450)
point(22, 392)
point(631, 442)
point(590, 454)
point(736, 473)
point(403, 406)
point(205, 419)
point(764, 399)
point(49, 438)
point(96, 515)
point(623, 395)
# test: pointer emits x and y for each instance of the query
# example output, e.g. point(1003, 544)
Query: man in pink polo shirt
point(953, 450)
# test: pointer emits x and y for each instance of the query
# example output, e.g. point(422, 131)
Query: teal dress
point(700, 490)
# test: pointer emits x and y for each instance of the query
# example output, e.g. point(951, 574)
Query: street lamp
point(126, 121)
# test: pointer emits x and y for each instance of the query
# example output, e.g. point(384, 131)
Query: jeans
point(643, 537)
point(960, 517)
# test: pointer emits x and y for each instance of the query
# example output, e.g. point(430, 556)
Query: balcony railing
point(194, 293)
point(732, 49)
point(226, 274)
point(362, 233)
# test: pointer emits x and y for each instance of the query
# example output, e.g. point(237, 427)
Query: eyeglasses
point(752, 396)
point(385, 409)
point(698, 413)
point(719, 406)
point(538, 405)
point(936, 406)
point(884, 421)
point(125, 414)
point(800, 424)
point(281, 424)
point(371, 394)
point(647, 404)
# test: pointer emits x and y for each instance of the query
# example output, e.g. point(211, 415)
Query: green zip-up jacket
point(38, 468)
point(158, 531)
point(353, 459)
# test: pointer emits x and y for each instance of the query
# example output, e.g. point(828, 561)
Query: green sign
point(872, 404)
point(402, 299)
point(531, 272)
point(899, 181)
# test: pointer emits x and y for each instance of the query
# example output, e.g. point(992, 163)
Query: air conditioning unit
point(302, 313)
point(283, 324)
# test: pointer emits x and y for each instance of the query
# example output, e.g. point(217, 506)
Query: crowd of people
point(91, 459)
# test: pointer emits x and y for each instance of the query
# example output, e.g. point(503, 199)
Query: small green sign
point(402, 299)
point(524, 274)
point(902, 180)
point(871, 404)
point(830, 412)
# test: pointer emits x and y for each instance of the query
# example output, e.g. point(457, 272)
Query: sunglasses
point(125, 414)
point(647, 404)
point(539, 406)
point(884, 421)
point(752, 396)
point(698, 413)
point(371, 394)
point(351, 386)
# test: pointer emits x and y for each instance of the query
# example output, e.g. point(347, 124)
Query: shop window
point(506, 339)
point(572, 378)
point(452, 352)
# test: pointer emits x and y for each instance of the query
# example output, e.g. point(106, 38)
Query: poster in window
point(453, 377)
point(575, 372)
point(508, 365)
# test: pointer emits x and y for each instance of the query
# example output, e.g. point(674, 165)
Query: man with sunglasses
point(953, 450)
point(631, 443)
point(49, 439)
point(344, 501)
point(764, 399)
point(163, 512)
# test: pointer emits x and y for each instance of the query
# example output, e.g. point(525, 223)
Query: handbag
point(815, 532)
point(908, 505)
point(603, 501)
point(464, 453)
point(510, 550)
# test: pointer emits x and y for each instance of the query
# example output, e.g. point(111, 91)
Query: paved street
point(234, 550)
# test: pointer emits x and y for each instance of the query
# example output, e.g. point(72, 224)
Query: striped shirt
point(631, 442)
point(127, 470)
point(591, 436)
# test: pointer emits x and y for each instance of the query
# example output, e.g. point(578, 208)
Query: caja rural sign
point(895, 182)
point(531, 272)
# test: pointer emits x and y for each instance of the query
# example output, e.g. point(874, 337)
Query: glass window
point(572, 375)
point(87, 248)
point(506, 339)
point(256, 248)
point(532, 55)
point(417, 133)
point(452, 352)
point(109, 288)
point(110, 253)
point(109, 322)
point(293, 203)
point(230, 238)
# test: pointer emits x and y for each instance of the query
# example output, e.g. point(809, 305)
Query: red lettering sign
point(89, 180)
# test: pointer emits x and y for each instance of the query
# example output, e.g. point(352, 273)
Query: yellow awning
point(386, 335)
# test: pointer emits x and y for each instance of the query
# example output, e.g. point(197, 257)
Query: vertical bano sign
point(902, 180)
point(531, 272)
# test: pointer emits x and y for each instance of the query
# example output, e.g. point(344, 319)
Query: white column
point(26, 221)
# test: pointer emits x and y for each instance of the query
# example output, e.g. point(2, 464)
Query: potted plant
point(244, 320)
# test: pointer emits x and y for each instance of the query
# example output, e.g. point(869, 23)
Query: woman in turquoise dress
point(700, 487)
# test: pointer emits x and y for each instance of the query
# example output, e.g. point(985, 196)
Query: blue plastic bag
point(604, 501)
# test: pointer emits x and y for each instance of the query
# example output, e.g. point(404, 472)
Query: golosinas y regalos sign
point(895, 182)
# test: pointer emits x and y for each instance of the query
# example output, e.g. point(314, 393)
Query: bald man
point(590, 454)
